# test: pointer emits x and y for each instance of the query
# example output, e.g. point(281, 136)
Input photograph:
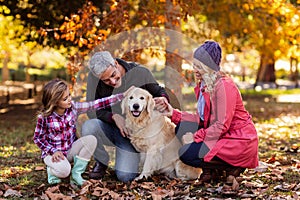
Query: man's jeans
point(127, 158)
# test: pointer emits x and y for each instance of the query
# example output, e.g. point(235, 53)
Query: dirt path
point(22, 110)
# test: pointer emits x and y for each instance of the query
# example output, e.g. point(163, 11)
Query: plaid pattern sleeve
point(98, 104)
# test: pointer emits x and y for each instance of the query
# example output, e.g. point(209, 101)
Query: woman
point(221, 135)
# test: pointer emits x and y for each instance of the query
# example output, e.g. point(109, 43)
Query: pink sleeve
point(178, 116)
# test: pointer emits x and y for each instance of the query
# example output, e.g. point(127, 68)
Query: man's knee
point(90, 127)
point(125, 176)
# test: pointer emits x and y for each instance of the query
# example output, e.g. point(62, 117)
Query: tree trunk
point(5, 70)
point(173, 78)
point(294, 71)
point(27, 67)
point(266, 71)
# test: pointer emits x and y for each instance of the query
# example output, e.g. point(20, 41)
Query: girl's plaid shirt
point(58, 132)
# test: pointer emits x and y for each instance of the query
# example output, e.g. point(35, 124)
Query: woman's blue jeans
point(191, 154)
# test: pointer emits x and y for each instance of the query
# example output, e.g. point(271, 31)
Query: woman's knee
point(188, 154)
point(184, 151)
point(183, 157)
point(191, 162)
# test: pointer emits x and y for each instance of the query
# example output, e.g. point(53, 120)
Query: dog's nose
point(136, 106)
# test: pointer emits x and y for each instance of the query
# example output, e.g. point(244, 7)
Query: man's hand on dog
point(120, 122)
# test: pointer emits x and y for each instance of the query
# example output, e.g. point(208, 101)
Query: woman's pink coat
point(228, 129)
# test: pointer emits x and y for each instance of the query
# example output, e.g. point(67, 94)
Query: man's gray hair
point(99, 62)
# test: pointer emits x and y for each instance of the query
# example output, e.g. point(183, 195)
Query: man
point(111, 76)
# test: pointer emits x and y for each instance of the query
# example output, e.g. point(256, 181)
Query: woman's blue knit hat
point(210, 54)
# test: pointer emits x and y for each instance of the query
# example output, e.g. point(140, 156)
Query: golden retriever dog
point(153, 135)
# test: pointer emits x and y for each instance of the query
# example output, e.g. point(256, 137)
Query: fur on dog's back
point(154, 135)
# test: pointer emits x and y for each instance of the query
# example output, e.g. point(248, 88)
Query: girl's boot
point(78, 169)
point(51, 178)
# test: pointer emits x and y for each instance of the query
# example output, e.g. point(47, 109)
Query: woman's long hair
point(211, 77)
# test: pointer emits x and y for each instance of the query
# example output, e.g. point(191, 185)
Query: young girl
point(55, 132)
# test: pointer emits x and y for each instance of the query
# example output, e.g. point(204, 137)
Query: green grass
point(269, 92)
point(254, 93)
point(19, 156)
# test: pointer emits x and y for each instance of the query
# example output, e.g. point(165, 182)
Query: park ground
point(276, 117)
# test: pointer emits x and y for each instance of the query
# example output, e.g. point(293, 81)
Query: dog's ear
point(129, 90)
point(150, 104)
point(124, 101)
point(123, 105)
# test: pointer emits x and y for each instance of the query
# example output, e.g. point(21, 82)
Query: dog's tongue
point(135, 113)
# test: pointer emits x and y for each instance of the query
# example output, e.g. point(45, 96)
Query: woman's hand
point(163, 106)
point(187, 138)
point(160, 104)
point(58, 156)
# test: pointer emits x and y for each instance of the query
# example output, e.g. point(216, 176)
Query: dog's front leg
point(152, 163)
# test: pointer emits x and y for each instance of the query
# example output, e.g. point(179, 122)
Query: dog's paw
point(141, 177)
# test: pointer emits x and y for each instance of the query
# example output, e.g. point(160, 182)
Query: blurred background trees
point(254, 35)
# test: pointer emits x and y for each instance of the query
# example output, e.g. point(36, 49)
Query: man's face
point(112, 76)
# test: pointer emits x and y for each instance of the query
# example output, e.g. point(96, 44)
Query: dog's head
point(137, 102)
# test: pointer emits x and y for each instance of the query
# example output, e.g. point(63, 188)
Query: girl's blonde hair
point(52, 92)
